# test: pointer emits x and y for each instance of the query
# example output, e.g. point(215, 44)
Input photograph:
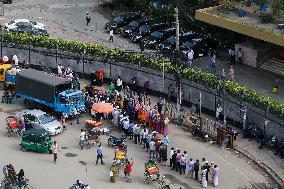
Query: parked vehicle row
point(159, 35)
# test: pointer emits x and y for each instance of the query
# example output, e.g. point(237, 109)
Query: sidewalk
point(261, 156)
point(256, 79)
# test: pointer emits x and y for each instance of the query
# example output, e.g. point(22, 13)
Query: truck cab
point(70, 102)
point(3, 71)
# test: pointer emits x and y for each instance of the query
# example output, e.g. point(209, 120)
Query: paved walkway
point(256, 79)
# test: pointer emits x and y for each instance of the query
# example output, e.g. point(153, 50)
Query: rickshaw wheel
point(109, 142)
point(8, 133)
point(23, 149)
point(28, 187)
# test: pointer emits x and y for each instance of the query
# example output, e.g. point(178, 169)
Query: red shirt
point(128, 168)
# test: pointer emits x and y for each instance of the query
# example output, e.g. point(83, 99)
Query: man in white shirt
point(111, 35)
point(68, 71)
point(82, 138)
point(16, 60)
point(59, 70)
point(119, 84)
point(190, 57)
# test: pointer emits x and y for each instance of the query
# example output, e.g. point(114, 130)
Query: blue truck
point(38, 88)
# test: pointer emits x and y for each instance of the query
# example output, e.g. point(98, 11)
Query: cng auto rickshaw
point(36, 140)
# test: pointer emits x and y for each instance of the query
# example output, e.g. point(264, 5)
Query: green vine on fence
point(232, 88)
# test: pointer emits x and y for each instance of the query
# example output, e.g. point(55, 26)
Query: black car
point(122, 20)
point(134, 25)
point(158, 36)
point(170, 43)
point(146, 30)
point(200, 46)
point(7, 1)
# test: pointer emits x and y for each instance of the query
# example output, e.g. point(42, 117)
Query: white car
point(40, 120)
point(14, 24)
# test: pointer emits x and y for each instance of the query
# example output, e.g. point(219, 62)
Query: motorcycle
point(119, 142)
point(197, 131)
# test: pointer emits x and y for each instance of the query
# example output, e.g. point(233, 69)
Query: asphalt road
point(236, 172)
point(66, 19)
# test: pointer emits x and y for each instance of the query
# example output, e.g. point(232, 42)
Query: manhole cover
point(70, 155)
point(64, 147)
point(82, 162)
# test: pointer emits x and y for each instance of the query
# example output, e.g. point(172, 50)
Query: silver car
point(41, 120)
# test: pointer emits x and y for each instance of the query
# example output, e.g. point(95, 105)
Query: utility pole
point(177, 65)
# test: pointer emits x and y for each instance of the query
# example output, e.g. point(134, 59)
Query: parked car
point(122, 20)
point(146, 30)
point(40, 120)
point(197, 45)
point(170, 43)
point(158, 36)
point(31, 30)
point(7, 1)
point(134, 25)
point(14, 24)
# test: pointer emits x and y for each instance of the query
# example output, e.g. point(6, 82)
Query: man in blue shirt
point(130, 130)
point(99, 154)
point(149, 139)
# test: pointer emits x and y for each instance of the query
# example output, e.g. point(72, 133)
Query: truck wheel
point(29, 104)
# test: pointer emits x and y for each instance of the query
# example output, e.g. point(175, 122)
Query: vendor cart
point(152, 171)
point(120, 157)
point(13, 126)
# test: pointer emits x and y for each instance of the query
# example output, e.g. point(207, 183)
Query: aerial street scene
point(142, 94)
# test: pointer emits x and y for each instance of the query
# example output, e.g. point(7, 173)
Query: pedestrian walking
point(55, 151)
point(171, 154)
point(111, 35)
point(82, 138)
point(163, 154)
point(203, 178)
point(99, 154)
point(182, 164)
point(152, 146)
point(63, 122)
point(231, 74)
point(88, 18)
point(141, 46)
point(178, 158)
point(240, 56)
point(232, 55)
point(160, 104)
point(191, 168)
point(60, 69)
point(118, 84)
point(196, 169)
point(216, 172)
point(211, 170)
point(174, 157)
point(190, 55)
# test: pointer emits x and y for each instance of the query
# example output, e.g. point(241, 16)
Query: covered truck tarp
point(40, 85)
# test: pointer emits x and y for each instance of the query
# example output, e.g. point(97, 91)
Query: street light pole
point(177, 64)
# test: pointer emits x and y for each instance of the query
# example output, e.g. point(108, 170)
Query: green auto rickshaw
point(36, 140)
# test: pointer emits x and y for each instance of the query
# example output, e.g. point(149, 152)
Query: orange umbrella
point(102, 107)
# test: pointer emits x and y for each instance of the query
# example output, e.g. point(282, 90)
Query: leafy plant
point(261, 2)
point(266, 17)
point(200, 77)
